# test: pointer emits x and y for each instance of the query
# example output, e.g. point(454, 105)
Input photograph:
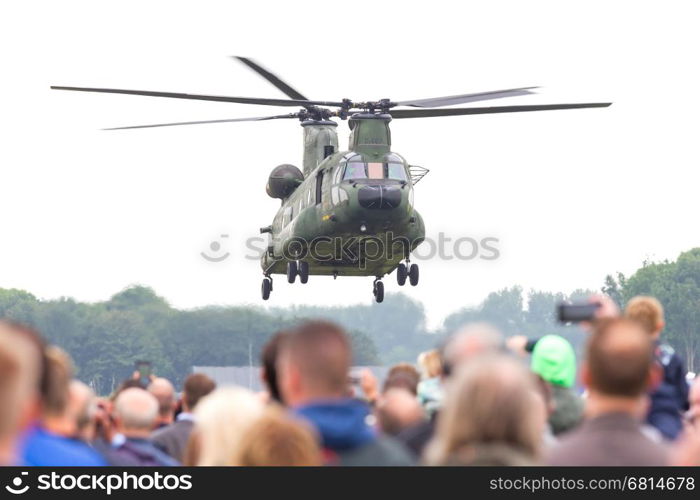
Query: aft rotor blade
point(272, 78)
point(202, 122)
point(436, 102)
point(427, 113)
point(200, 97)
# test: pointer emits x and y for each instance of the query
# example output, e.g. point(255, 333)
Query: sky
point(570, 195)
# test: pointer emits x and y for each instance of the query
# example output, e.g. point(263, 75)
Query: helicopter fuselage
point(353, 213)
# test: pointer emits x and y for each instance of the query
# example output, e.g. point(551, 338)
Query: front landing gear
point(297, 268)
point(413, 274)
point(292, 271)
point(401, 274)
point(378, 290)
point(409, 271)
point(303, 270)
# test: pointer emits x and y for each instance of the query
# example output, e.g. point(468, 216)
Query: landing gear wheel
point(292, 271)
point(378, 291)
point(401, 274)
point(303, 268)
point(413, 274)
point(266, 288)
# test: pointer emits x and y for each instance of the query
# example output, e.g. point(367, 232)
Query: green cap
point(554, 360)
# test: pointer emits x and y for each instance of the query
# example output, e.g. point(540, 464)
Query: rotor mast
point(320, 141)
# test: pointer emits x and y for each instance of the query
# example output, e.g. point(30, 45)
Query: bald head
point(398, 409)
point(136, 411)
point(470, 341)
point(619, 358)
point(314, 361)
point(80, 396)
point(19, 376)
point(164, 392)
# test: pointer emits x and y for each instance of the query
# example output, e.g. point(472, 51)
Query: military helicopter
point(346, 213)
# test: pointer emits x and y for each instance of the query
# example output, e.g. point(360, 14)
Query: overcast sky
point(571, 195)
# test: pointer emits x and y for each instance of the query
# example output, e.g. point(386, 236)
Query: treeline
point(106, 338)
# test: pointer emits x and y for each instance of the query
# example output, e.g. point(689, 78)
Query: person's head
point(60, 373)
point(269, 366)
point(164, 392)
point(135, 412)
point(619, 360)
point(129, 383)
point(430, 363)
point(314, 362)
point(222, 419)
point(491, 403)
point(398, 409)
point(554, 359)
point(196, 386)
point(469, 342)
point(402, 376)
point(80, 408)
point(648, 312)
point(20, 362)
point(276, 439)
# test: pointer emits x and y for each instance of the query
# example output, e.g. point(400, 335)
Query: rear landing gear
point(378, 291)
point(266, 288)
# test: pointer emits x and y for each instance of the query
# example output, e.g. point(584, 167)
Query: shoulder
point(172, 430)
point(383, 451)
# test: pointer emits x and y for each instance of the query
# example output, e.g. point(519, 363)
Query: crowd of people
point(477, 399)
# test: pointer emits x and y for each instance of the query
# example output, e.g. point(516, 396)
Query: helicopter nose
point(379, 197)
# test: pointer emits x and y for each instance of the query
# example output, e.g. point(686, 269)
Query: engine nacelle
point(283, 180)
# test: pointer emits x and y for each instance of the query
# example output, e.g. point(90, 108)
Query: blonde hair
point(430, 363)
point(221, 421)
point(647, 311)
point(276, 439)
point(490, 403)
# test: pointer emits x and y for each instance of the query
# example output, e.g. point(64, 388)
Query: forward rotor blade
point(202, 122)
point(436, 102)
point(272, 78)
point(427, 113)
point(200, 97)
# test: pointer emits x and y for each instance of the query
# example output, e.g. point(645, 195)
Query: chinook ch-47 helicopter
point(347, 213)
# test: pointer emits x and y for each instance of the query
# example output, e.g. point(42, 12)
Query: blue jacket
point(670, 399)
point(342, 423)
point(43, 448)
point(348, 439)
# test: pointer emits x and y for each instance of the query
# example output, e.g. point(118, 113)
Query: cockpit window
point(396, 171)
point(355, 170)
point(375, 170)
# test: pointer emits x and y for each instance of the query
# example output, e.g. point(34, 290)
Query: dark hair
point(268, 358)
point(196, 386)
point(620, 355)
point(321, 352)
point(402, 376)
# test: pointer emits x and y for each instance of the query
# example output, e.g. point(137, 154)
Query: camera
point(576, 313)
